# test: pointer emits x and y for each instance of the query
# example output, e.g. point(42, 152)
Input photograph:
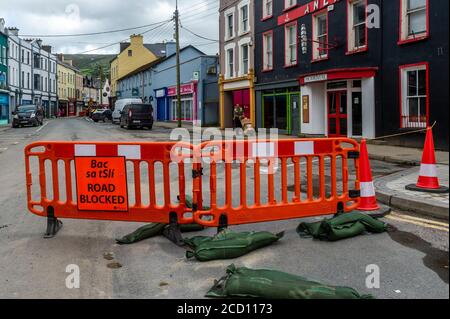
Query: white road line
point(39, 129)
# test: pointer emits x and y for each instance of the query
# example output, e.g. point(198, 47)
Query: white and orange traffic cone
point(368, 199)
point(428, 180)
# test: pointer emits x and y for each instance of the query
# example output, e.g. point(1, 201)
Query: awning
point(338, 74)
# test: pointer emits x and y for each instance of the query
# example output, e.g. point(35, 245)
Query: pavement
point(412, 256)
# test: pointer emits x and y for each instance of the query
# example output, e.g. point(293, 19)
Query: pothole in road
point(108, 256)
point(114, 265)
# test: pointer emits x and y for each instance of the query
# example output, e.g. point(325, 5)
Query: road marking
point(428, 221)
point(39, 129)
point(417, 223)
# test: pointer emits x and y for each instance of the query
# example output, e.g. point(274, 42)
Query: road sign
point(101, 184)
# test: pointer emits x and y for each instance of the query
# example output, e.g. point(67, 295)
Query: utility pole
point(177, 39)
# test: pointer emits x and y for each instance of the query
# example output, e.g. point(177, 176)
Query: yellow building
point(68, 85)
point(132, 56)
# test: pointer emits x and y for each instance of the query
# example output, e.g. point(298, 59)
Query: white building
point(32, 73)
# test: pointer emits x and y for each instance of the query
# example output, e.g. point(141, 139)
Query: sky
point(59, 17)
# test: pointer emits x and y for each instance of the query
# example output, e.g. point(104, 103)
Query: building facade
point(4, 90)
point(69, 87)
point(236, 79)
point(91, 91)
point(134, 55)
point(357, 68)
point(156, 83)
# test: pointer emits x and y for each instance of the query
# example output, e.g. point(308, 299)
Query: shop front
point(72, 107)
point(339, 103)
point(63, 108)
point(4, 108)
point(189, 110)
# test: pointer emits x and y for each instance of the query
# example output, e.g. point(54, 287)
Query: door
point(357, 114)
point(295, 114)
point(337, 113)
point(161, 109)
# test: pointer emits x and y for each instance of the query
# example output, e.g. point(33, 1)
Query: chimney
point(137, 39)
point(47, 48)
point(60, 57)
point(39, 42)
point(171, 48)
point(13, 31)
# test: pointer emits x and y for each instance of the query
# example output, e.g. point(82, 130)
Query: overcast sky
point(50, 17)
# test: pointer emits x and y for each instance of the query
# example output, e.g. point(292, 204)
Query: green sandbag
point(227, 244)
point(341, 226)
point(143, 232)
point(271, 284)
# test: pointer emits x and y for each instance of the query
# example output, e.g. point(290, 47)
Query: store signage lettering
point(184, 89)
point(304, 10)
point(315, 78)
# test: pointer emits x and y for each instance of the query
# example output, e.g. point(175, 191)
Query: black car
point(101, 115)
point(28, 115)
point(137, 115)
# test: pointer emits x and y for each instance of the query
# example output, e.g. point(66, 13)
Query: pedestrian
point(238, 115)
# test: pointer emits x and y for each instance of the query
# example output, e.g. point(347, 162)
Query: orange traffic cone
point(428, 180)
point(368, 199)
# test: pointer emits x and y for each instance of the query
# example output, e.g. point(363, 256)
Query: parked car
point(118, 107)
point(137, 115)
point(101, 115)
point(28, 115)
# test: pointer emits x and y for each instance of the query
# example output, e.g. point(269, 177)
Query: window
point(290, 44)
point(230, 26)
point(23, 79)
point(244, 54)
point(244, 19)
point(413, 20)
point(357, 30)
point(23, 55)
point(320, 34)
point(230, 57)
point(37, 79)
point(130, 52)
point(268, 51)
point(289, 4)
point(267, 8)
point(414, 96)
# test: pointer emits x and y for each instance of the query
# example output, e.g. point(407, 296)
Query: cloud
point(44, 17)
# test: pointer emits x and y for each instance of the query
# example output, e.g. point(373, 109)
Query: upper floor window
point(230, 63)
point(413, 20)
point(244, 18)
point(290, 44)
point(357, 30)
point(414, 96)
point(244, 59)
point(268, 51)
point(267, 8)
point(320, 36)
point(230, 26)
point(130, 52)
point(289, 3)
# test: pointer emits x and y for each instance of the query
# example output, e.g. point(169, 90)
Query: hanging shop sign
point(184, 89)
point(304, 10)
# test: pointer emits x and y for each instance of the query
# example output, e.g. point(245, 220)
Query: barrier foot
point(53, 224)
point(340, 209)
point(223, 223)
point(172, 232)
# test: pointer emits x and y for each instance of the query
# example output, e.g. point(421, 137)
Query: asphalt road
point(412, 256)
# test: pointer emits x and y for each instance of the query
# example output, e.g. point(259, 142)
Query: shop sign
point(160, 93)
point(184, 89)
point(315, 78)
point(304, 10)
point(135, 92)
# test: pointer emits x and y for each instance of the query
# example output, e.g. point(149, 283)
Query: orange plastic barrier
point(108, 181)
point(92, 181)
point(296, 159)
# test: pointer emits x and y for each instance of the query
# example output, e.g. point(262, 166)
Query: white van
point(118, 107)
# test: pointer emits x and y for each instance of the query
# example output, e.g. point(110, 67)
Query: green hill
point(90, 64)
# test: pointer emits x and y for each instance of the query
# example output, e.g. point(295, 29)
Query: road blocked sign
point(101, 184)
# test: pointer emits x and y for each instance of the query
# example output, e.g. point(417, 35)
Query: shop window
point(413, 20)
point(289, 4)
point(268, 51)
point(290, 44)
point(357, 28)
point(414, 96)
point(320, 36)
point(267, 9)
point(337, 85)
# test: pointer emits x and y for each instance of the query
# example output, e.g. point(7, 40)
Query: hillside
point(89, 63)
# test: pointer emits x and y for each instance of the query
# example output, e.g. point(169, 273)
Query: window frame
point(286, 27)
point(403, 35)
point(241, 51)
point(243, 22)
point(289, 7)
point(230, 63)
point(227, 25)
point(265, 15)
point(351, 35)
point(318, 58)
point(403, 93)
point(264, 35)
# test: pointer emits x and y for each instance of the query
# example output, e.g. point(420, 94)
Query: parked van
point(118, 107)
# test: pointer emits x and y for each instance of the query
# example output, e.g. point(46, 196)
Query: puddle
point(435, 259)
point(114, 265)
point(108, 256)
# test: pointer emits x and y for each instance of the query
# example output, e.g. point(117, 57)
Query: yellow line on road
point(417, 223)
point(428, 221)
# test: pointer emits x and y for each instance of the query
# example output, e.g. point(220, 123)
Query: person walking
point(238, 115)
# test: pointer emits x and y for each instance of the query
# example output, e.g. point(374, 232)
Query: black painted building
point(357, 68)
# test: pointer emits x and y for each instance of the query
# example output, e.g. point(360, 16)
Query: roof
point(158, 49)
